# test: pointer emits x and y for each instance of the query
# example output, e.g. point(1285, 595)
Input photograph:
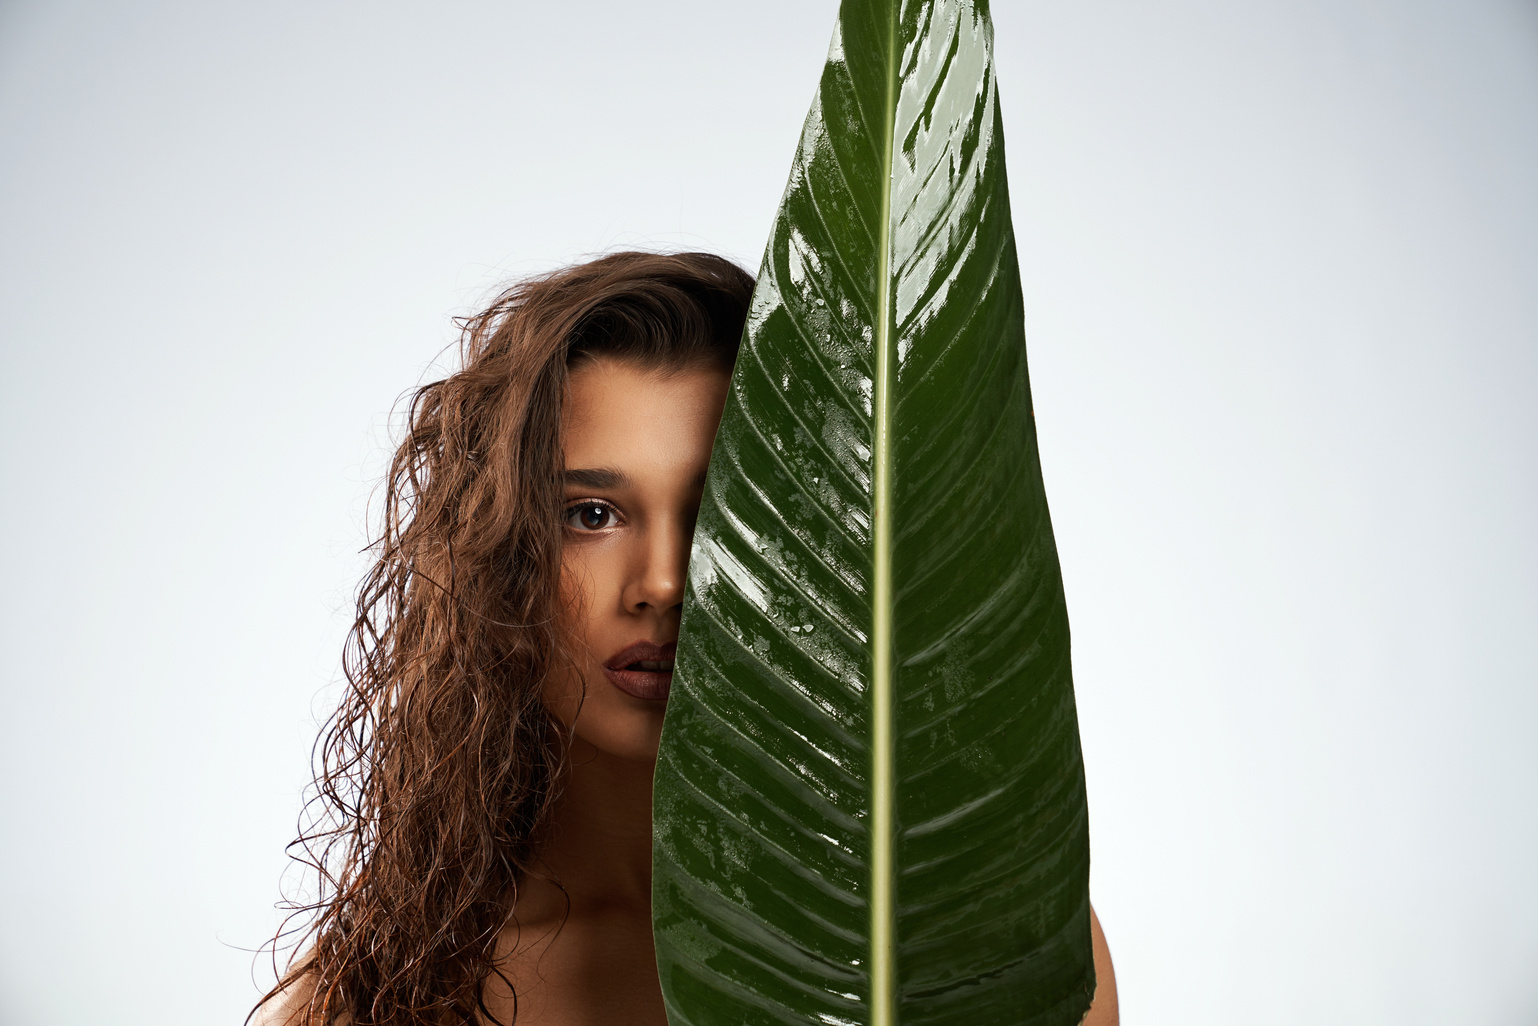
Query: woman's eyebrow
point(601, 477)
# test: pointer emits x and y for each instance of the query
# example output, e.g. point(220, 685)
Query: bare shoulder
point(288, 1007)
point(1103, 1010)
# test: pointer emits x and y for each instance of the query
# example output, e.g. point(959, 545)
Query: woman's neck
point(578, 949)
point(600, 842)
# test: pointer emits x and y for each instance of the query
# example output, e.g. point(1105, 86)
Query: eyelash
point(572, 509)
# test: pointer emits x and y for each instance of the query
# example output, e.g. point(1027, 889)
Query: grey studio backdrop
point(1281, 273)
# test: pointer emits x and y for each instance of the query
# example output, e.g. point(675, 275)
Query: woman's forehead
point(627, 419)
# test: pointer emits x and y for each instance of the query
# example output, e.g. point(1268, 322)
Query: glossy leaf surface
point(870, 798)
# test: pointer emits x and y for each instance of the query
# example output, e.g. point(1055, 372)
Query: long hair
point(439, 769)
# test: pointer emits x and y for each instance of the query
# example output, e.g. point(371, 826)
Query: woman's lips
point(638, 669)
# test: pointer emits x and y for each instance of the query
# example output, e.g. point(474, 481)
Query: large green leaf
point(870, 799)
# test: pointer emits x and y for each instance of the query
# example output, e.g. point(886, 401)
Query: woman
point(489, 772)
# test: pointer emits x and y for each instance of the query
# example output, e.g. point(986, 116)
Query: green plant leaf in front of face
point(869, 802)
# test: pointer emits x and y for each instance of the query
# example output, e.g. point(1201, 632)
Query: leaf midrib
point(883, 927)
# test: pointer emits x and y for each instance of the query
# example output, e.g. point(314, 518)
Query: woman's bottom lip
point(652, 685)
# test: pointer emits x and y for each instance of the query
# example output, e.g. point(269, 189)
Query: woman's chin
point(624, 727)
point(629, 746)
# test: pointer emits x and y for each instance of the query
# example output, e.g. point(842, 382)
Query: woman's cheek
point(562, 695)
point(564, 691)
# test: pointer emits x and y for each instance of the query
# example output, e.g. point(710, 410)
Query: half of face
point(637, 443)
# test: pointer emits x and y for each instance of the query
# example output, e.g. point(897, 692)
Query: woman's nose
point(658, 582)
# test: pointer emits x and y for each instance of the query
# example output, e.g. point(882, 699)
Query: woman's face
point(637, 442)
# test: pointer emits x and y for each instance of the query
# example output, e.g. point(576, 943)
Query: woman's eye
point(589, 516)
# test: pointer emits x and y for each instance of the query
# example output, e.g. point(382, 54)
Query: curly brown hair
point(437, 772)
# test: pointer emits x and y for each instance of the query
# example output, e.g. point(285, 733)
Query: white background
point(1281, 276)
